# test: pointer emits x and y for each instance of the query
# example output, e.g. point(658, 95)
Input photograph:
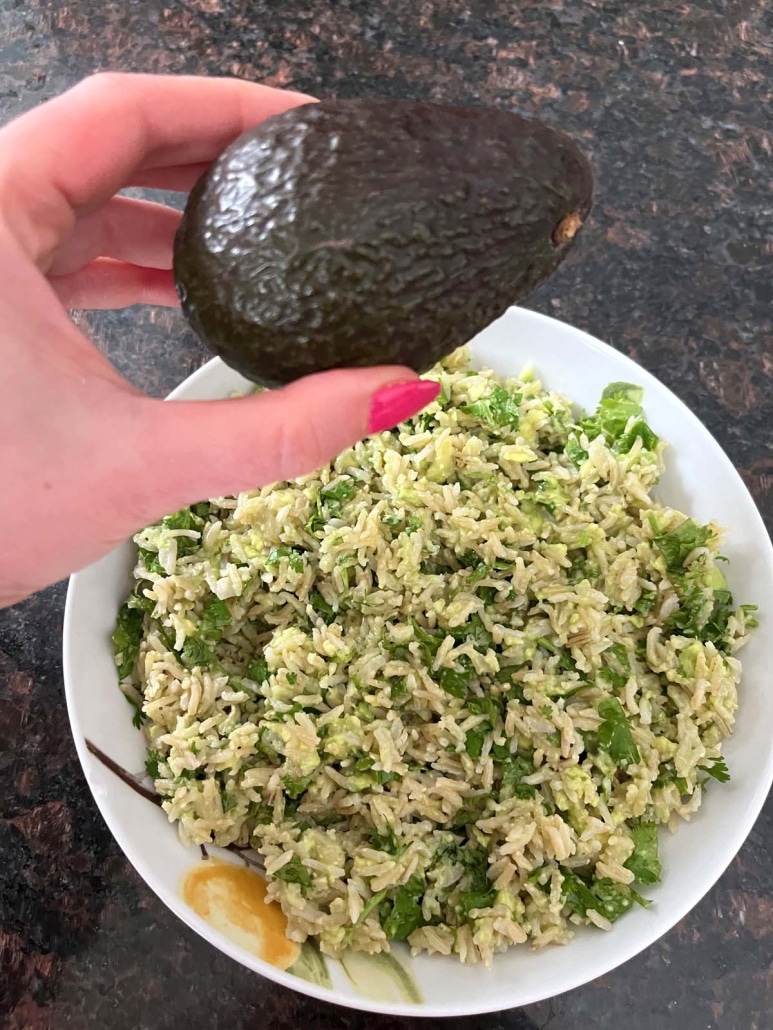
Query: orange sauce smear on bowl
point(232, 899)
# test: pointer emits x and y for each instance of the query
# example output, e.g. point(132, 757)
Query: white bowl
point(701, 481)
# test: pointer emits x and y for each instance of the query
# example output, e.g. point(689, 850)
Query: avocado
point(365, 232)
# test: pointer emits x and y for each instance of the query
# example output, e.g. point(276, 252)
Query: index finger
point(73, 153)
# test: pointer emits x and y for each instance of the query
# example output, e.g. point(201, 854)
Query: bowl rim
point(479, 1005)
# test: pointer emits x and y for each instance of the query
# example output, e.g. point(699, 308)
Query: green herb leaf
point(676, 545)
point(228, 802)
point(196, 652)
point(126, 638)
point(514, 769)
point(617, 668)
point(150, 561)
point(638, 430)
point(321, 607)
point(405, 913)
point(215, 616)
point(343, 490)
point(294, 871)
point(614, 733)
point(474, 739)
point(646, 602)
point(472, 810)
point(470, 900)
point(151, 764)
point(475, 632)
point(475, 862)
point(258, 670)
point(457, 683)
point(604, 896)
point(644, 862)
point(428, 641)
point(262, 814)
point(718, 769)
point(620, 404)
point(413, 524)
point(295, 787)
point(499, 410)
point(387, 842)
point(185, 519)
point(293, 556)
point(489, 706)
point(667, 775)
point(574, 452)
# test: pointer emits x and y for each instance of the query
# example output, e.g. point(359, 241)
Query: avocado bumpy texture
point(365, 232)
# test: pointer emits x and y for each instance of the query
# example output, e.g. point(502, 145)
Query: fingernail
point(395, 403)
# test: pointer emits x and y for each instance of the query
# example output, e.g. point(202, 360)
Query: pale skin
point(86, 459)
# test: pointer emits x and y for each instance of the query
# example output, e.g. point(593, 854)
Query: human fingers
point(211, 448)
point(105, 283)
point(179, 178)
point(136, 231)
point(73, 153)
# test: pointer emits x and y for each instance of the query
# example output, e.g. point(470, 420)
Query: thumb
point(206, 449)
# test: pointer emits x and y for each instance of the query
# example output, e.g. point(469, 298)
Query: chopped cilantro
point(262, 814)
point(718, 769)
point(644, 862)
point(343, 490)
point(386, 841)
point(293, 556)
point(215, 616)
point(413, 524)
point(321, 607)
point(646, 602)
point(126, 638)
point(185, 519)
point(428, 641)
point(499, 410)
point(574, 452)
point(295, 787)
point(617, 668)
point(514, 769)
point(474, 631)
point(457, 682)
point(604, 896)
point(228, 802)
point(405, 915)
point(474, 739)
point(471, 811)
point(150, 560)
point(489, 706)
point(614, 733)
point(676, 545)
point(196, 652)
point(667, 775)
point(620, 418)
point(258, 670)
point(294, 871)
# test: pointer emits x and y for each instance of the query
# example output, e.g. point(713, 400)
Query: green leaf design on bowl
point(381, 977)
point(310, 965)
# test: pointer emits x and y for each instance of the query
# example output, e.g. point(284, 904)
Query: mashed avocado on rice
point(451, 685)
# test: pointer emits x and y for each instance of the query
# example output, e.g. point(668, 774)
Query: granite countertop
point(675, 104)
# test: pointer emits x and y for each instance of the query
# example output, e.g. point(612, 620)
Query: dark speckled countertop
point(674, 101)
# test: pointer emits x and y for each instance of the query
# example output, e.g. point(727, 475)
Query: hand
point(86, 460)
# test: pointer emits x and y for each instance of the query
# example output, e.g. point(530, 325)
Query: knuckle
point(300, 446)
point(102, 84)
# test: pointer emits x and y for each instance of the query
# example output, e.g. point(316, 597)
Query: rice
point(451, 685)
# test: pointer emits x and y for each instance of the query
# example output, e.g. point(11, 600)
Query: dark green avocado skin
point(371, 232)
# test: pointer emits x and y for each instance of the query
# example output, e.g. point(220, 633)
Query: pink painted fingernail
point(395, 403)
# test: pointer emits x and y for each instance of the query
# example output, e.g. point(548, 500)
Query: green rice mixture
point(451, 685)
